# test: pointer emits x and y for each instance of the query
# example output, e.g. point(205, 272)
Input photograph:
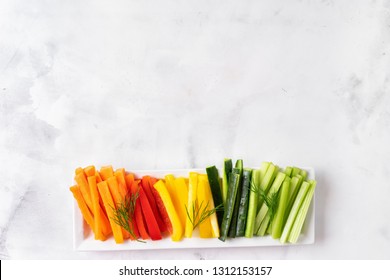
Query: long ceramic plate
point(84, 239)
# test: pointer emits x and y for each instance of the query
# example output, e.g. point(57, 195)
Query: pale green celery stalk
point(296, 182)
point(264, 208)
point(295, 171)
point(266, 182)
point(263, 170)
point(264, 225)
point(252, 208)
point(294, 211)
point(278, 221)
point(288, 171)
point(301, 216)
point(303, 173)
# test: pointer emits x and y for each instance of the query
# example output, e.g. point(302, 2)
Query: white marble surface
point(177, 84)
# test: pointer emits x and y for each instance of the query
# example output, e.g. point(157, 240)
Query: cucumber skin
point(234, 180)
point(244, 203)
point(212, 174)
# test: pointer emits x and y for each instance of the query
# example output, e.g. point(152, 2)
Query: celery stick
point(295, 171)
point(264, 225)
point(303, 173)
point(250, 220)
point(227, 169)
point(277, 223)
point(301, 216)
point(263, 169)
point(294, 211)
point(296, 182)
point(288, 171)
point(264, 208)
point(266, 182)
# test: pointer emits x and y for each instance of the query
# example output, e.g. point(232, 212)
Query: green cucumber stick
point(227, 169)
point(213, 177)
point(277, 223)
point(270, 196)
point(294, 211)
point(233, 225)
point(252, 208)
point(234, 181)
point(296, 183)
point(266, 182)
point(244, 202)
point(301, 216)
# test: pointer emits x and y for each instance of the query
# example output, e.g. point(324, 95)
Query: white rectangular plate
point(84, 239)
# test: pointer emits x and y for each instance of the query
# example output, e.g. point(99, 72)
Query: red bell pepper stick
point(139, 221)
point(145, 182)
point(150, 219)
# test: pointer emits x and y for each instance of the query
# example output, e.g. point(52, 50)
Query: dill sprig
point(124, 212)
point(200, 213)
point(270, 199)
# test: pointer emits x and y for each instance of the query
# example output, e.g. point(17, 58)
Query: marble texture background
point(179, 84)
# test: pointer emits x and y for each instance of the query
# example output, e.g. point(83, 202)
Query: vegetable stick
point(192, 191)
point(182, 198)
point(97, 226)
point(110, 208)
point(152, 226)
point(82, 182)
point(177, 228)
point(138, 212)
point(118, 199)
point(87, 215)
point(145, 182)
point(89, 171)
point(106, 172)
point(129, 178)
point(78, 170)
point(120, 177)
point(203, 200)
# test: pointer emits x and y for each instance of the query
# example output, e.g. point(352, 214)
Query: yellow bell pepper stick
point(213, 217)
point(177, 229)
point(180, 199)
point(192, 190)
point(204, 203)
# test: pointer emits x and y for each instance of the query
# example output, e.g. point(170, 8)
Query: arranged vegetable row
point(262, 201)
point(244, 202)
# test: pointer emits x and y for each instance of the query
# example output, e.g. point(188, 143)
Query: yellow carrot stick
point(110, 208)
point(87, 215)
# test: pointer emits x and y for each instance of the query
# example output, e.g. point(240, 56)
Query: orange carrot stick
point(87, 215)
point(96, 208)
point(120, 176)
point(110, 208)
point(89, 171)
point(106, 172)
point(99, 214)
point(118, 198)
point(129, 178)
point(82, 182)
point(78, 170)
